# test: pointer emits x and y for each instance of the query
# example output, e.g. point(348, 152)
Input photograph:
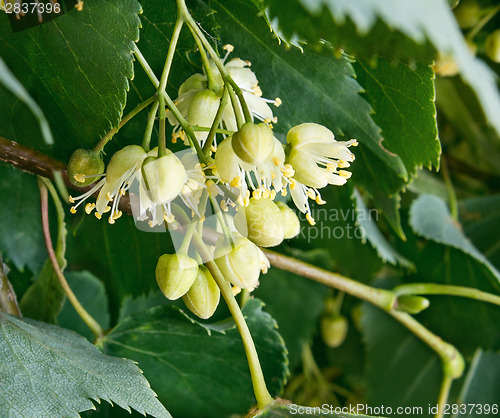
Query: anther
point(73, 210)
point(310, 219)
point(71, 199)
point(89, 207)
point(80, 178)
point(345, 174)
point(109, 197)
point(277, 102)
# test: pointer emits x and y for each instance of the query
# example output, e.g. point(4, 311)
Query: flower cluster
point(246, 174)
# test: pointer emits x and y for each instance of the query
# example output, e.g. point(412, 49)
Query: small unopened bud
point(122, 161)
point(203, 297)
point(492, 46)
point(290, 219)
point(412, 304)
point(84, 167)
point(468, 14)
point(253, 143)
point(175, 274)
point(334, 330)
point(202, 110)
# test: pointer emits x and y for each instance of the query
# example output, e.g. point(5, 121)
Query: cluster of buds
point(246, 175)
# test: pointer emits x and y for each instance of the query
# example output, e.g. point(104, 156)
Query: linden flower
point(197, 83)
point(318, 160)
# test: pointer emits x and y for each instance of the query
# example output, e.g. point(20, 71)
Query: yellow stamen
point(73, 210)
point(80, 178)
point(345, 174)
point(97, 215)
point(268, 120)
point(106, 209)
point(228, 48)
point(109, 197)
point(284, 192)
point(236, 182)
point(118, 214)
point(247, 198)
point(89, 207)
point(288, 171)
point(310, 219)
point(257, 194)
point(223, 206)
point(151, 224)
point(293, 184)
point(343, 164)
point(123, 192)
point(213, 148)
point(319, 201)
point(257, 91)
point(266, 193)
point(240, 201)
point(71, 199)
point(111, 220)
point(331, 167)
point(273, 195)
point(235, 290)
point(310, 193)
point(277, 102)
point(273, 175)
point(276, 161)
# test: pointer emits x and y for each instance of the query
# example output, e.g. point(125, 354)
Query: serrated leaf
point(374, 236)
point(91, 293)
point(403, 99)
point(10, 81)
point(315, 87)
point(430, 20)
point(429, 217)
point(77, 68)
point(296, 304)
point(48, 371)
point(401, 369)
point(482, 385)
point(21, 239)
point(282, 410)
point(187, 361)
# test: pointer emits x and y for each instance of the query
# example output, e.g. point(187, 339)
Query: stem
point(443, 395)
point(237, 110)
point(212, 84)
point(149, 127)
point(100, 145)
point(145, 66)
point(91, 323)
point(470, 36)
point(259, 384)
point(443, 289)
point(384, 299)
point(183, 249)
point(451, 191)
point(8, 300)
point(215, 124)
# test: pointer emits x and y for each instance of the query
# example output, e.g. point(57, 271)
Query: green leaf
point(430, 20)
point(10, 81)
point(429, 217)
point(315, 86)
point(44, 299)
point(197, 369)
point(282, 410)
point(482, 385)
point(296, 304)
point(21, 239)
point(403, 99)
point(48, 371)
point(77, 68)
point(91, 293)
point(401, 369)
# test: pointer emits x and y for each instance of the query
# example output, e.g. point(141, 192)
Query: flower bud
point(175, 274)
point(203, 296)
point(226, 161)
point(163, 177)
point(468, 14)
point(202, 110)
point(412, 304)
point(261, 222)
point(309, 133)
point(239, 262)
point(492, 46)
point(84, 167)
point(122, 161)
point(195, 82)
point(334, 330)
point(290, 220)
point(253, 143)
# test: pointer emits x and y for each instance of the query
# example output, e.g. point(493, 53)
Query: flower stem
point(8, 300)
point(91, 322)
point(443, 289)
point(470, 36)
point(443, 395)
point(212, 84)
point(106, 138)
point(451, 191)
point(215, 124)
point(149, 127)
point(259, 384)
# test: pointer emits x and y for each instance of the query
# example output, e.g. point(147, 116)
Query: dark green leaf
point(76, 67)
point(21, 239)
point(296, 303)
point(90, 292)
point(403, 99)
point(197, 369)
point(61, 372)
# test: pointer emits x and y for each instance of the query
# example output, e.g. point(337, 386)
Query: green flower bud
point(203, 296)
point(253, 143)
point(290, 219)
point(412, 304)
point(454, 368)
point(195, 82)
point(83, 163)
point(334, 330)
point(122, 161)
point(164, 177)
point(492, 46)
point(202, 109)
point(261, 222)
point(226, 162)
point(309, 134)
point(240, 262)
point(175, 274)
point(468, 14)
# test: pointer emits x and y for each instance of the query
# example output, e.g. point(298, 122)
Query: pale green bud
point(334, 330)
point(492, 46)
point(261, 222)
point(195, 82)
point(122, 161)
point(240, 262)
point(412, 304)
point(175, 274)
point(309, 133)
point(468, 14)
point(164, 177)
point(226, 161)
point(253, 143)
point(203, 108)
point(203, 297)
point(290, 219)
point(83, 163)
